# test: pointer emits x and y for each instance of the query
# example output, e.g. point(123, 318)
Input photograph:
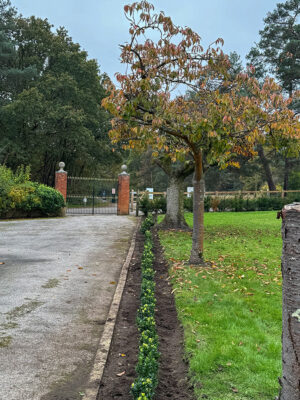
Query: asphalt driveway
point(57, 280)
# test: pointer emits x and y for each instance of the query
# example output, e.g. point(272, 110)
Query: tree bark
point(266, 166)
point(174, 218)
point(196, 256)
point(290, 267)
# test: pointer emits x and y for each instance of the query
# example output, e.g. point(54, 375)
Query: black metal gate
point(92, 196)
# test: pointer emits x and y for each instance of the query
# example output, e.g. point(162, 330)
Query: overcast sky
point(99, 26)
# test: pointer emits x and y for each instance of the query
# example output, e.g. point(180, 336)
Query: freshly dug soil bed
point(119, 372)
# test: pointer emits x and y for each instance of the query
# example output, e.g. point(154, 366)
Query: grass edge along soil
point(119, 372)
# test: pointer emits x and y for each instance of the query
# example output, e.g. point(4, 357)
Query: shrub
point(157, 205)
point(17, 192)
point(147, 366)
point(51, 200)
point(146, 225)
point(188, 203)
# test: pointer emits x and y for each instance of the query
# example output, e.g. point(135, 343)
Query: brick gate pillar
point(61, 179)
point(123, 192)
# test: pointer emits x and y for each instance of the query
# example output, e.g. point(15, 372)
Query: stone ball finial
point(61, 166)
point(124, 168)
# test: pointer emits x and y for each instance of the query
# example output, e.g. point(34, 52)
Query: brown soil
point(173, 383)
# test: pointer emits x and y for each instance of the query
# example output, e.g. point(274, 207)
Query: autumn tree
point(216, 124)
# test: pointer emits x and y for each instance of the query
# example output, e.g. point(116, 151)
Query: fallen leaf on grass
point(235, 390)
point(121, 373)
point(112, 282)
point(229, 364)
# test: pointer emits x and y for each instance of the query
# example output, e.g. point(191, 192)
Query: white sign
point(150, 195)
point(190, 190)
point(113, 191)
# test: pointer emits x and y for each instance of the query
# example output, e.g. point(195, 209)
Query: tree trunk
point(266, 167)
point(174, 218)
point(202, 194)
point(196, 257)
point(290, 267)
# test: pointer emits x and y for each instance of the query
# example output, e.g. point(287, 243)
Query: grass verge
point(231, 312)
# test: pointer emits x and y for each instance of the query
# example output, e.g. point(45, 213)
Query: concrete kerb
point(96, 374)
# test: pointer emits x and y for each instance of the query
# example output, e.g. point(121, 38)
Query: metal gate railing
point(92, 196)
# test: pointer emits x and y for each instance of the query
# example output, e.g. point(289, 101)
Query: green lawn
point(231, 312)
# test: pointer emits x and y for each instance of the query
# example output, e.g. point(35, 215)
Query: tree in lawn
point(160, 172)
point(279, 52)
point(176, 172)
point(213, 126)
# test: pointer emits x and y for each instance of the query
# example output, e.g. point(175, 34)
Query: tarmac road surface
point(57, 280)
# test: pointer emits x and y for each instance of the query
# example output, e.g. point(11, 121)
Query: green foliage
point(50, 96)
point(17, 192)
point(147, 223)
point(50, 199)
point(294, 181)
point(279, 45)
point(12, 75)
point(188, 203)
point(147, 365)
point(240, 203)
point(231, 311)
point(157, 205)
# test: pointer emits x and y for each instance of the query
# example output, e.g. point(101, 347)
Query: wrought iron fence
point(92, 196)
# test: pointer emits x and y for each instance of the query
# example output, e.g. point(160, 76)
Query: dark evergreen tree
point(279, 45)
point(13, 78)
point(278, 52)
point(54, 114)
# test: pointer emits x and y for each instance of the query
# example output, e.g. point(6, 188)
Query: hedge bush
point(240, 203)
point(19, 194)
point(158, 204)
point(143, 388)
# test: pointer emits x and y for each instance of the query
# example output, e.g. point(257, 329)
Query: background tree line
point(50, 96)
